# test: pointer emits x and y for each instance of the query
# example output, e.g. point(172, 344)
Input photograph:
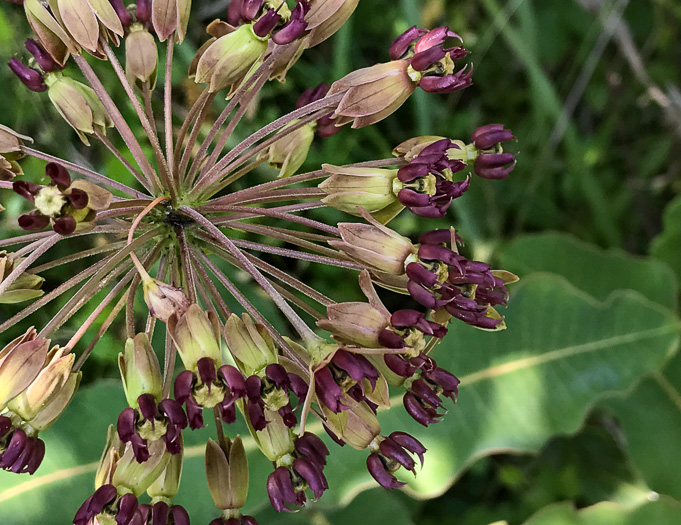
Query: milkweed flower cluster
point(184, 220)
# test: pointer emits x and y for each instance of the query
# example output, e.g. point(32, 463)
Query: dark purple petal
point(275, 494)
point(278, 375)
point(312, 95)
point(148, 407)
point(298, 385)
point(313, 448)
point(126, 424)
point(36, 457)
point(283, 480)
point(485, 137)
point(312, 474)
point(28, 190)
point(14, 449)
point(390, 339)
point(435, 37)
point(410, 443)
point(398, 365)
point(377, 470)
point(447, 84)
point(251, 8)
point(41, 56)
point(207, 372)
point(160, 513)
point(411, 198)
point(65, 225)
point(126, 509)
point(421, 275)
point(123, 14)
point(143, 11)
point(234, 380)
point(287, 415)
point(173, 411)
point(327, 390)
point(422, 390)
point(180, 515)
point(422, 296)
point(5, 425)
point(256, 414)
point(194, 414)
point(416, 410)
point(30, 77)
point(183, 386)
point(266, 23)
point(78, 198)
point(401, 44)
point(234, 12)
point(295, 27)
point(393, 450)
point(427, 58)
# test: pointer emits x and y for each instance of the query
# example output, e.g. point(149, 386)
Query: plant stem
point(30, 259)
point(167, 107)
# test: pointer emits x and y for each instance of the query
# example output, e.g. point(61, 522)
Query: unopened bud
point(167, 485)
point(45, 387)
point(370, 188)
point(196, 335)
point(170, 16)
point(78, 105)
point(229, 58)
point(141, 56)
point(54, 408)
point(140, 370)
point(326, 17)
point(89, 20)
point(357, 426)
point(138, 477)
point(164, 300)
point(355, 323)
point(290, 152)
point(227, 473)
point(113, 450)
point(249, 343)
point(374, 245)
point(26, 286)
point(20, 363)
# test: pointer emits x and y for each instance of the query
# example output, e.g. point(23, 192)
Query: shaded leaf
point(665, 246)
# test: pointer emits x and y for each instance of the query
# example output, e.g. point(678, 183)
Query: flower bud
point(227, 60)
point(196, 335)
point(49, 32)
point(78, 105)
point(276, 439)
point(374, 245)
point(410, 148)
point(357, 427)
point(355, 323)
point(373, 93)
point(141, 56)
point(290, 152)
point(46, 386)
point(140, 370)
point(113, 450)
point(167, 485)
point(326, 17)
point(51, 412)
point(89, 20)
point(20, 363)
point(227, 473)
point(170, 16)
point(138, 477)
point(164, 300)
point(25, 287)
point(249, 343)
point(371, 188)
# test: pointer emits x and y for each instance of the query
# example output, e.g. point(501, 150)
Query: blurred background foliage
point(571, 416)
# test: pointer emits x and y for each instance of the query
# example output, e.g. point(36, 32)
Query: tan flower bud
point(51, 412)
point(374, 189)
point(290, 152)
point(170, 16)
point(326, 17)
point(374, 245)
point(249, 343)
point(164, 300)
point(89, 20)
point(140, 370)
point(373, 93)
point(113, 450)
point(45, 387)
point(229, 58)
point(26, 287)
point(357, 426)
point(196, 335)
point(20, 363)
point(286, 57)
point(141, 56)
point(49, 31)
point(167, 485)
point(11, 142)
point(78, 105)
point(227, 473)
point(9, 169)
point(138, 477)
point(355, 323)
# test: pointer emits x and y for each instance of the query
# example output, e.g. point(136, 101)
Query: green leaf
point(651, 420)
point(665, 246)
point(562, 352)
point(591, 269)
point(661, 512)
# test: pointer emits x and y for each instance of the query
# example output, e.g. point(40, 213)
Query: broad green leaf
point(562, 352)
point(650, 416)
point(591, 269)
point(665, 246)
point(662, 512)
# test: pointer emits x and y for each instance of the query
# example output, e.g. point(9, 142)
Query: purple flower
point(428, 188)
point(31, 78)
point(342, 378)
point(164, 420)
point(407, 323)
point(124, 509)
point(394, 452)
point(164, 514)
point(21, 453)
point(492, 162)
point(286, 485)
